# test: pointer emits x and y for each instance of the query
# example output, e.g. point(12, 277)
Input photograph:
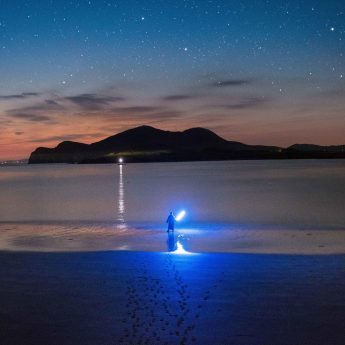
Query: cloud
point(142, 109)
point(165, 115)
point(5, 121)
point(31, 117)
point(51, 102)
point(230, 82)
point(91, 101)
point(47, 105)
point(29, 94)
point(135, 119)
point(19, 96)
point(66, 137)
point(335, 92)
point(249, 102)
point(178, 97)
point(35, 113)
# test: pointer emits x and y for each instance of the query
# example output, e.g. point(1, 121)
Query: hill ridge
point(149, 144)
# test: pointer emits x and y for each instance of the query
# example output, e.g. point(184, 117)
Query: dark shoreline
point(195, 157)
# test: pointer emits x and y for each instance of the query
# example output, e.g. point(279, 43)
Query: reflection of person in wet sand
point(171, 222)
point(171, 242)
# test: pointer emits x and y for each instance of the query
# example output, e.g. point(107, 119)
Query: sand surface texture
point(160, 298)
point(78, 236)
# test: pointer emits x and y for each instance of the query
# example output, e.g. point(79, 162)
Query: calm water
point(309, 193)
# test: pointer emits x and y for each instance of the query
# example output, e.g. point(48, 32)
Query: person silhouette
point(171, 222)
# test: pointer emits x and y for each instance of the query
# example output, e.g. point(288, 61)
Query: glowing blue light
point(180, 215)
point(179, 249)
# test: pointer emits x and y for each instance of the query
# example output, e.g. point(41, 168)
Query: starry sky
point(259, 72)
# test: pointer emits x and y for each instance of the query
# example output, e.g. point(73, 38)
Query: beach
point(172, 172)
point(69, 283)
point(258, 259)
point(126, 297)
point(206, 238)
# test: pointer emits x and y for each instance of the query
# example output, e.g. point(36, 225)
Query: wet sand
point(211, 238)
point(134, 297)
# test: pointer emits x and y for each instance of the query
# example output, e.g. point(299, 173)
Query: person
point(171, 222)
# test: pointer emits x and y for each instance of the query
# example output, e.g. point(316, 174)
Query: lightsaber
point(180, 215)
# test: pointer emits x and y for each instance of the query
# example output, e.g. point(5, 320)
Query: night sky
point(259, 72)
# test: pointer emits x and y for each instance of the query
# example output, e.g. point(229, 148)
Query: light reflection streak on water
point(121, 201)
point(180, 249)
point(176, 246)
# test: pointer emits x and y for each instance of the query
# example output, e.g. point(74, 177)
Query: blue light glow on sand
point(180, 250)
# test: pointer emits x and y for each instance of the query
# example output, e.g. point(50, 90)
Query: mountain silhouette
point(317, 148)
point(149, 144)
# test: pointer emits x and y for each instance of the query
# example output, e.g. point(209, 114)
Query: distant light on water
point(180, 215)
point(121, 207)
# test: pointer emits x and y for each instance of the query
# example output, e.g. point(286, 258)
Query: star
point(89, 46)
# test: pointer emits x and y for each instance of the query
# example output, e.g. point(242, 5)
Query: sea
point(273, 194)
